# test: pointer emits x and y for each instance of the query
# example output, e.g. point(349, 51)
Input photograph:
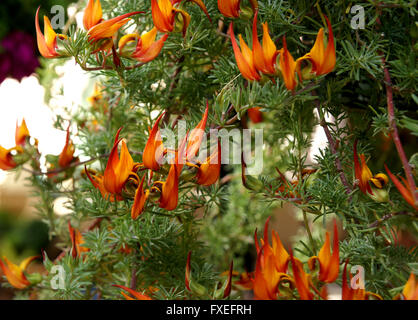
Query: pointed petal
point(92, 14)
point(287, 67)
point(247, 70)
point(209, 170)
point(329, 59)
point(154, 148)
point(108, 28)
point(162, 15)
point(405, 192)
point(196, 136)
point(139, 200)
point(21, 133)
point(152, 52)
point(229, 8)
point(45, 49)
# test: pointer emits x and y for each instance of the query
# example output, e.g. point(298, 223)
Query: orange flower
point(302, 279)
point(265, 55)
point(255, 115)
point(196, 136)
point(244, 57)
point(170, 188)
point(140, 199)
point(154, 148)
point(21, 134)
point(410, 291)
point(287, 67)
point(328, 264)
point(208, 172)
point(147, 48)
point(349, 293)
point(47, 42)
point(97, 28)
point(15, 273)
point(164, 14)
point(67, 154)
point(76, 242)
point(277, 248)
point(231, 8)
point(6, 159)
point(92, 14)
point(117, 172)
point(117, 169)
point(322, 59)
point(364, 175)
point(271, 266)
point(404, 189)
point(136, 295)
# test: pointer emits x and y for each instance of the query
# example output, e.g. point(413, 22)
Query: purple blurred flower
point(18, 58)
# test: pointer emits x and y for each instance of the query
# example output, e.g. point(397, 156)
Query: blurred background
point(22, 234)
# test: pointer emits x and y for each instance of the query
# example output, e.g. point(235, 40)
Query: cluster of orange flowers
point(262, 59)
point(122, 172)
point(6, 155)
point(22, 136)
point(102, 33)
point(273, 279)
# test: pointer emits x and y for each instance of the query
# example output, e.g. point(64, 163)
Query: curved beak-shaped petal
point(287, 67)
point(47, 42)
point(264, 56)
point(196, 136)
point(14, 273)
point(228, 287)
point(76, 242)
point(154, 148)
point(406, 193)
point(117, 170)
point(203, 7)
point(209, 171)
point(244, 57)
point(139, 200)
point(6, 159)
point(362, 171)
point(302, 280)
point(229, 8)
point(328, 264)
point(67, 154)
point(92, 14)
point(137, 295)
point(108, 28)
point(147, 48)
point(162, 15)
point(410, 291)
point(322, 59)
point(21, 133)
point(170, 189)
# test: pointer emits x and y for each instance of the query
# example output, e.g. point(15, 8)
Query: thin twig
point(389, 216)
point(332, 146)
point(394, 131)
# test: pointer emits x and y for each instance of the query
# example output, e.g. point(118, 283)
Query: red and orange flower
point(15, 274)
point(147, 48)
point(47, 41)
